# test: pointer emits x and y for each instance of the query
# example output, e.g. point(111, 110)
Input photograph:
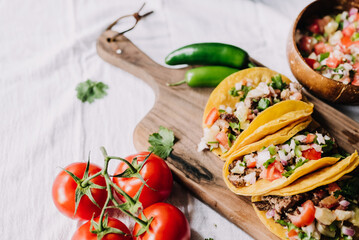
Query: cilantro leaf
point(233, 92)
point(268, 162)
point(277, 82)
point(162, 142)
point(245, 90)
point(235, 126)
point(323, 56)
point(290, 170)
point(90, 90)
point(263, 104)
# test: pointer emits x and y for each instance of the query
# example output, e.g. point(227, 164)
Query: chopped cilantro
point(221, 111)
point(355, 36)
point(214, 142)
point(289, 170)
point(208, 239)
point(297, 151)
point(89, 90)
point(328, 146)
point(323, 56)
point(349, 189)
point(245, 91)
point(277, 82)
point(269, 162)
point(235, 126)
point(338, 18)
point(272, 150)
point(233, 92)
point(162, 142)
point(263, 104)
point(231, 138)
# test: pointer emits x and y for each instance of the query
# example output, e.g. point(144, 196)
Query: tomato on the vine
point(84, 233)
point(168, 223)
point(64, 192)
point(154, 172)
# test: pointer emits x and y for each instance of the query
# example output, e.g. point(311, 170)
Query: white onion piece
point(344, 203)
point(353, 11)
point(317, 147)
point(345, 23)
point(348, 231)
point(263, 156)
point(270, 213)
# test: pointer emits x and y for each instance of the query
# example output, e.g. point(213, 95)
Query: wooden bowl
point(325, 88)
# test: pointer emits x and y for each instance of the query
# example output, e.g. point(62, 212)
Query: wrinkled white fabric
point(48, 47)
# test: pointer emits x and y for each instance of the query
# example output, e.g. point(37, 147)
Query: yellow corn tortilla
point(319, 178)
point(267, 122)
point(263, 186)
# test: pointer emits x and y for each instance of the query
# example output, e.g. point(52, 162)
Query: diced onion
point(263, 156)
point(348, 231)
point(344, 203)
point(250, 178)
point(353, 11)
point(270, 213)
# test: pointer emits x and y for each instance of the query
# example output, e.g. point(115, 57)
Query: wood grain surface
point(180, 109)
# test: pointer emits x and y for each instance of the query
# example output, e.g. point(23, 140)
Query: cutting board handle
point(125, 55)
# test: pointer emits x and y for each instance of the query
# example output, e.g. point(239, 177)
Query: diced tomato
point(306, 44)
point(212, 116)
point(314, 28)
point(356, 66)
point(321, 23)
point(273, 172)
point(355, 81)
point(222, 138)
point(319, 48)
point(333, 187)
point(348, 31)
point(310, 138)
point(332, 62)
point(346, 41)
point(292, 234)
point(311, 154)
point(306, 217)
point(251, 163)
point(322, 48)
point(310, 62)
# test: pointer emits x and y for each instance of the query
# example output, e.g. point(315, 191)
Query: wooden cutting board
point(180, 109)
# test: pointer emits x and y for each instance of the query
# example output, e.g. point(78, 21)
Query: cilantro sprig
point(162, 142)
point(290, 170)
point(89, 90)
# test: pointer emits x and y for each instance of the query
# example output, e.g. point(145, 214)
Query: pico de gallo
point(328, 212)
point(279, 161)
point(224, 124)
point(330, 45)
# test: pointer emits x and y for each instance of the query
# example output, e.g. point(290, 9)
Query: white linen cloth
point(48, 47)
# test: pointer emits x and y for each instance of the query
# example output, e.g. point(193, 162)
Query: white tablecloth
point(48, 47)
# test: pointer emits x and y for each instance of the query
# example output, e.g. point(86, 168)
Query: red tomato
point(212, 116)
point(292, 234)
point(251, 163)
point(355, 81)
point(321, 47)
point(311, 154)
point(223, 139)
point(332, 62)
point(356, 66)
point(348, 31)
point(273, 172)
point(83, 232)
point(314, 28)
point(310, 62)
point(306, 217)
point(168, 223)
point(310, 138)
point(346, 41)
point(64, 188)
point(155, 172)
point(306, 44)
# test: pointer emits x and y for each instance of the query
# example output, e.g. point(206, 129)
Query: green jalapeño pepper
point(208, 76)
point(209, 54)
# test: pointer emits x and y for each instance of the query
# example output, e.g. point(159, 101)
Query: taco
point(279, 159)
point(249, 105)
point(322, 205)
